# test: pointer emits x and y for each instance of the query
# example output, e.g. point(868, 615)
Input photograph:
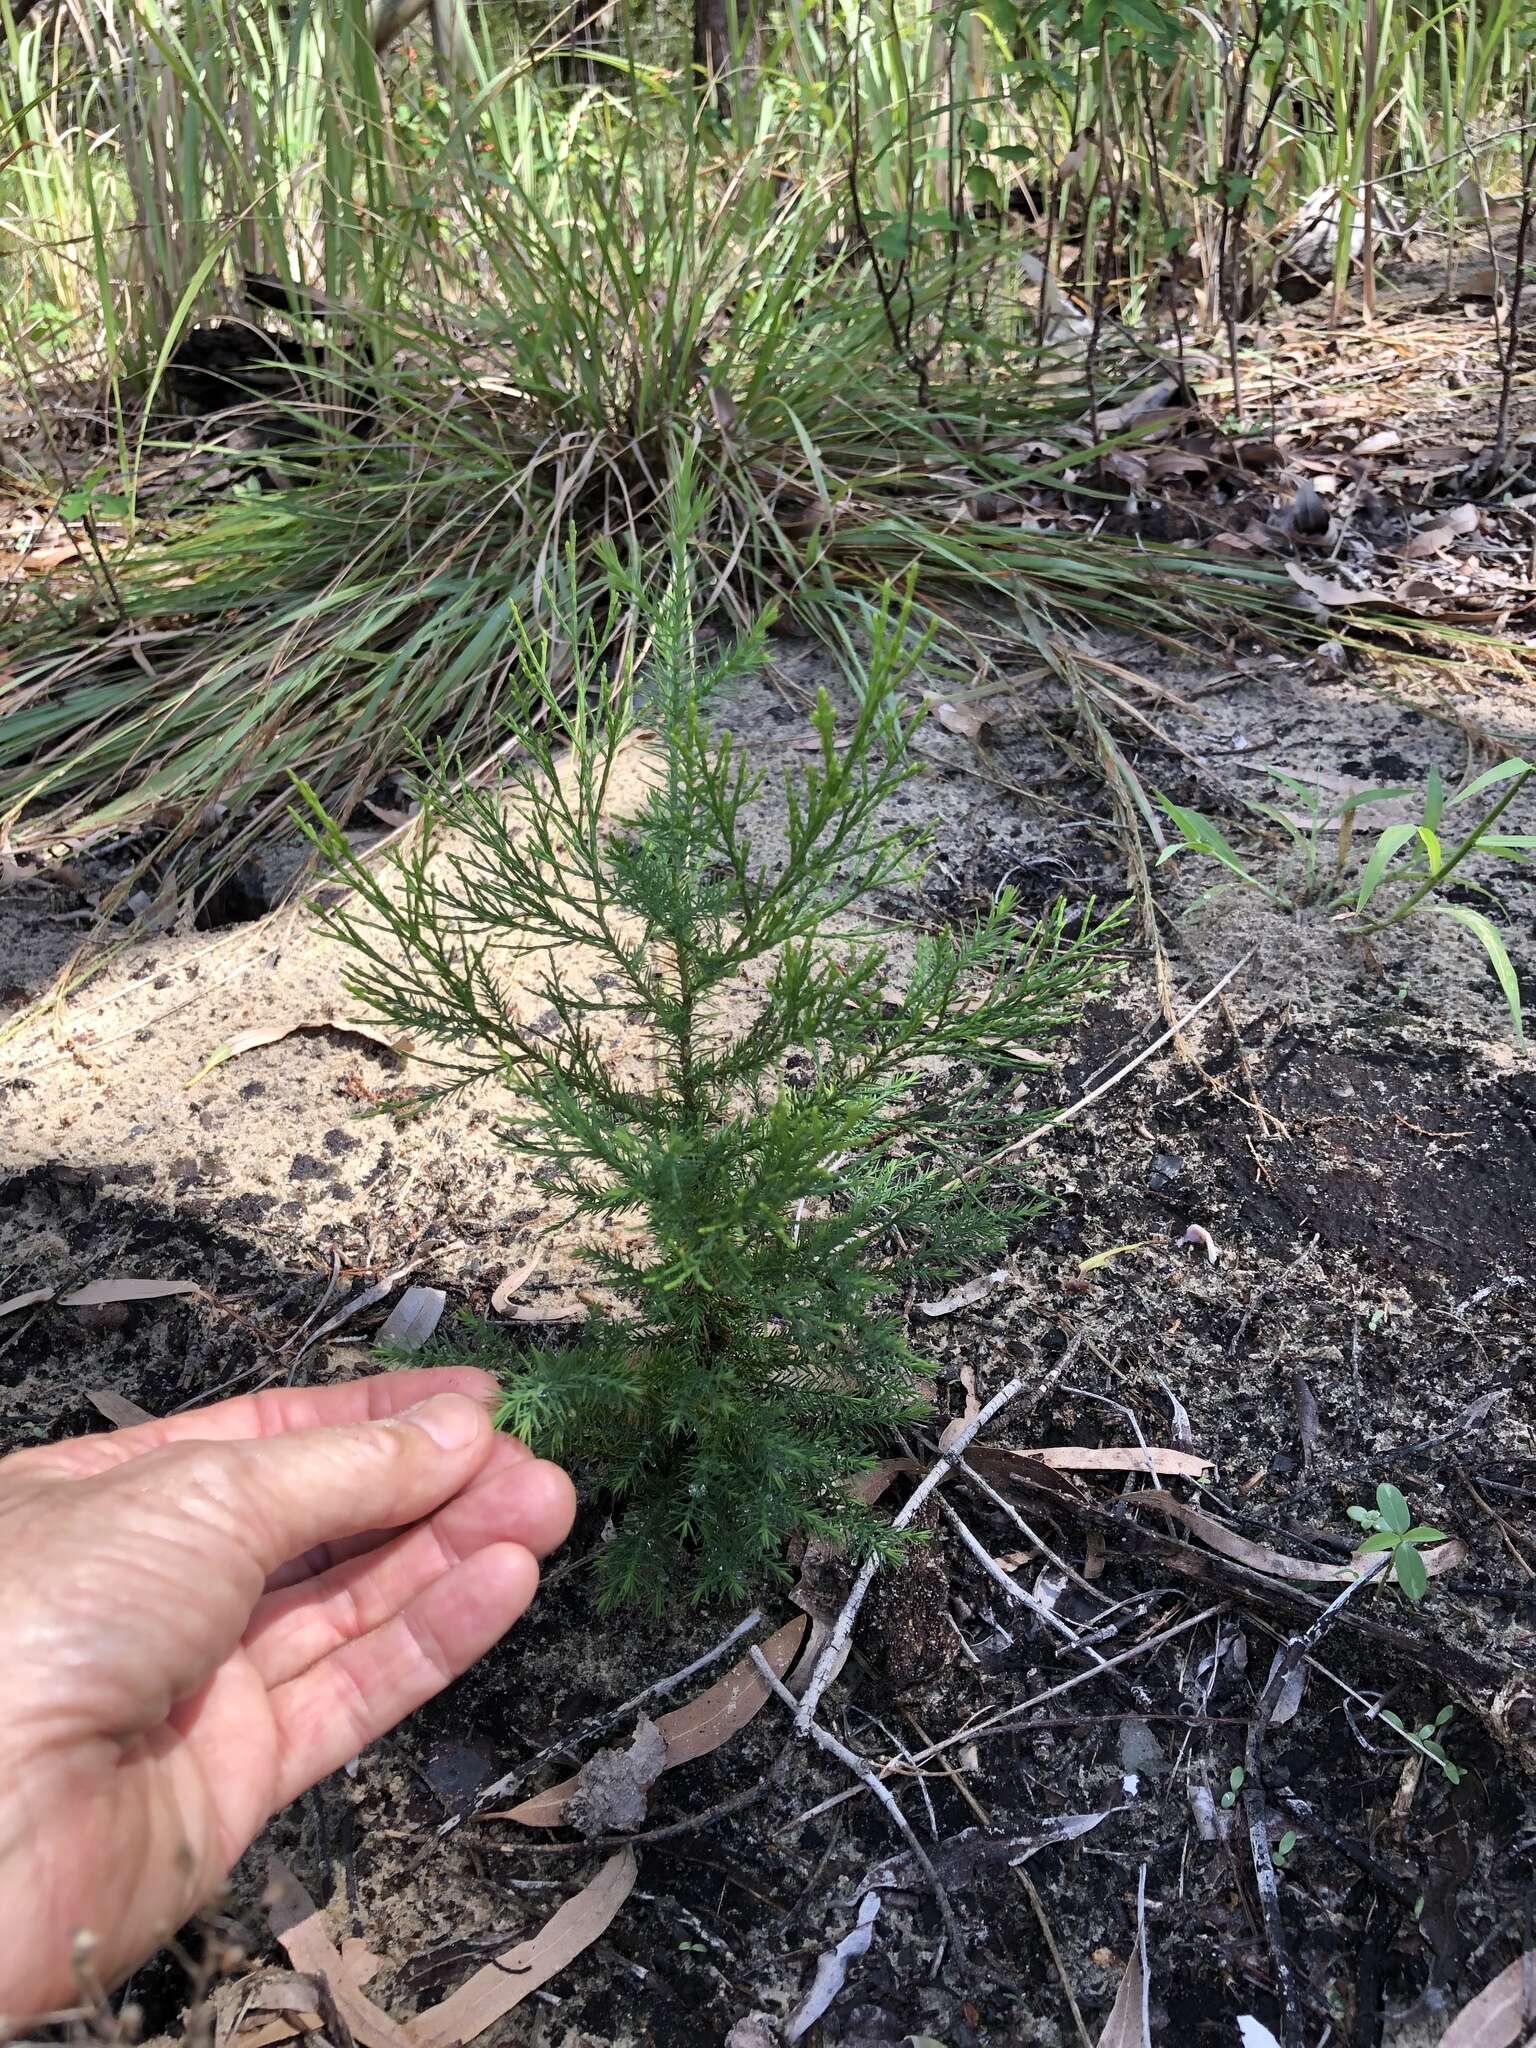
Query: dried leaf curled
point(965, 1296)
point(832, 1970)
point(118, 1410)
point(269, 1034)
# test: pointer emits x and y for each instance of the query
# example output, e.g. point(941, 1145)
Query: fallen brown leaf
point(269, 1034)
point(966, 1295)
point(969, 721)
point(869, 1485)
point(1435, 539)
point(689, 1731)
point(1114, 419)
point(1166, 462)
point(1165, 1463)
point(101, 1292)
point(1123, 2028)
point(295, 1921)
point(38, 561)
point(124, 1414)
point(20, 1301)
point(1502, 2013)
point(495, 1990)
point(1331, 593)
point(1277, 1564)
point(832, 1970)
point(967, 1415)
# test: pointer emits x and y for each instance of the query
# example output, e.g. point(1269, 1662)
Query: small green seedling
point(1426, 1739)
point(1234, 1786)
point(1412, 857)
point(1393, 1529)
point(1285, 1845)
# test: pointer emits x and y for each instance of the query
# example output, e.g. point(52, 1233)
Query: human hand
point(201, 1616)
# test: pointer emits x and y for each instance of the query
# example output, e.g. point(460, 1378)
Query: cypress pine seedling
point(795, 1155)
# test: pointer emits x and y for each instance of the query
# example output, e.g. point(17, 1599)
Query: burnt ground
point(1354, 1134)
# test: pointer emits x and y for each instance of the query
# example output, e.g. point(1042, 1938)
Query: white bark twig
point(1066, 1116)
point(865, 1772)
point(830, 1660)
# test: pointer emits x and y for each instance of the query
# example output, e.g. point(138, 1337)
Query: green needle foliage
point(808, 1106)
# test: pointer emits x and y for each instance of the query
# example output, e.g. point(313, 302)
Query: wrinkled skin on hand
point(201, 1617)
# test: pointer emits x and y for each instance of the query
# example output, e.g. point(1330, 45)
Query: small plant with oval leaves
point(1393, 1529)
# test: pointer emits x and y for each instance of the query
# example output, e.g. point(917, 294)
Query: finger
point(275, 1411)
point(506, 1452)
point(531, 1505)
point(262, 1503)
point(355, 1695)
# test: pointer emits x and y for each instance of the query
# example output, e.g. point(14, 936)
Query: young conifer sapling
point(806, 1142)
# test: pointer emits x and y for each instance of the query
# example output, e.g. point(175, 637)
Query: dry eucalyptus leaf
point(269, 1034)
point(100, 1293)
point(1165, 462)
point(1292, 1690)
point(296, 1922)
point(1276, 1564)
point(494, 1991)
point(832, 1970)
point(869, 1485)
point(1503, 2012)
point(1165, 1463)
point(1115, 418)
point(18, 1302)
point(969, 721)
point(413, 1318)
point(965, 1296)
point(1430, 540)
point(968, 1415)
point(1123, 2028)
point(1331, 593)
point(689, 1731)
point(118, 1410)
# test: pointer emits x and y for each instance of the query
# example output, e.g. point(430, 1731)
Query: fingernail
point(451, 1420)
